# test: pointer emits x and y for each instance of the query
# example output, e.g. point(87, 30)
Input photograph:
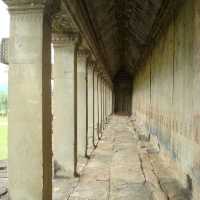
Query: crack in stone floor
point(123, 167)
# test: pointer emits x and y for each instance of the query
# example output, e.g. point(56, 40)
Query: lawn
point(3, 139)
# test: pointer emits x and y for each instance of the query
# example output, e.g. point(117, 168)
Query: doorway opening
point(123, 82)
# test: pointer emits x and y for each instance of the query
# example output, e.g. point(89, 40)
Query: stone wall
point(166, 94)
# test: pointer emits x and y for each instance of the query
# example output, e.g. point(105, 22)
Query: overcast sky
point(4, 32)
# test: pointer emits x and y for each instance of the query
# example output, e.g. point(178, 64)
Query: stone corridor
point(90, 62)
point(123, 167)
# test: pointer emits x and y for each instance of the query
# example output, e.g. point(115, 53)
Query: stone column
point(96, 106)
point(63, 103)
point(106, 101)
point(101, 104)
point(110, 102)
point(90, 103)
point(105, 88)
point(29, 120)
point(81, 103)
point(113, 101)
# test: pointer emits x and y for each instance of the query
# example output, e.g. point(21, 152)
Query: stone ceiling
point(119, 31)
point(123, 27)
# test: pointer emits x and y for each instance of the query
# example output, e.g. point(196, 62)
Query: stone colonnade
point(76, 115)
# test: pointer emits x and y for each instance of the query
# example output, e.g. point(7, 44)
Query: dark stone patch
point(3, 191)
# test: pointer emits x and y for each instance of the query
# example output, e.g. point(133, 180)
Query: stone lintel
point(67, 39)
point(51, 6)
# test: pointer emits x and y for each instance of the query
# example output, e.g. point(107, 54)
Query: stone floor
point(122, 168)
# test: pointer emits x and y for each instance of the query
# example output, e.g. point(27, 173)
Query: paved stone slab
point(123, 167)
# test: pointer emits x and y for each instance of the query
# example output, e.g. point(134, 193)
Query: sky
point(4, 32)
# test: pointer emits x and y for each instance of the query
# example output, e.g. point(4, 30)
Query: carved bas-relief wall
point(166, 96)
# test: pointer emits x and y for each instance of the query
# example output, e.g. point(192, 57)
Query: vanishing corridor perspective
point(114, 112)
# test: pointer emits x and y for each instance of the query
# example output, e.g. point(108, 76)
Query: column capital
point(92, 64)
point(66, 39)
point(96, 68)
point(101, 74)
point(27, 5)
point(83, 52)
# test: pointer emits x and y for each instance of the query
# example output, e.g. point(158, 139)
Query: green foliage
point(3, 138)
point(3, 126)
point(3, 104)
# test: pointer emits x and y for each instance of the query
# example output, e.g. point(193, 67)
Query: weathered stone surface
point(63, 103)
point(122, 167)
point(30, 145)
point(90, 100)
point(121, 30)
point(166, 95)
point(81, 100)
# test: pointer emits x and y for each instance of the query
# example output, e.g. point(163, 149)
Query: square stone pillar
point(113, 101)
point(100, 104)
point(103, 104)
point(96, 106)
point(107, 99)
point(91, 108)
point(110, 102)
point(81, 105)
point(107, 102)
point(64, 104)
point(29, 94)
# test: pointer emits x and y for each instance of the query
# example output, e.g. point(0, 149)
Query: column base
point(61, 172)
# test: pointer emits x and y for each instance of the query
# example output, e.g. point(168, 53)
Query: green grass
point(3, 138)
